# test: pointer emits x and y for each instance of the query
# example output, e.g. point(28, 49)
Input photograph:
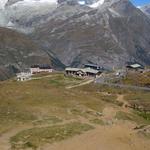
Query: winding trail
point(80, 84)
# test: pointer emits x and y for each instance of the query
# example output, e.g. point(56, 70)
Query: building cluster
point(40, 68)
point(130, 68)
point(26, 75)
point(92, 70)
point(89, 70)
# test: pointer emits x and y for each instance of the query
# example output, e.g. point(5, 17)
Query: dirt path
point(81, 84)
point(116, 137)
point(108, 137)
point(125, 107)
point(120, 98)
point(109, 113)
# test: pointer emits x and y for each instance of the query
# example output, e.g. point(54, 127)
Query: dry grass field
point(43, 114)
point(140, 79)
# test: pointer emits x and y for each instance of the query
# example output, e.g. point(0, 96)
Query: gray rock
point(146, 9)
point(18, 52)
point(111, 35)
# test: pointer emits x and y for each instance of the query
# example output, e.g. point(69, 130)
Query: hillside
point(107, 32)
point(110, 35)
point(45, 114)
point(18, 52)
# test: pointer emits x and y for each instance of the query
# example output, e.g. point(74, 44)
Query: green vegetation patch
point(35, 137)
point(139, 96)
point(139, 79)
point(15, 114)
point(111, 99)
point(145, 134)
point(97, 121)
point(83, 112)
point(145, 115)
point(47, 120)
point(139, 99)
point(124, 116)
point(61, 80)
point(134, 116)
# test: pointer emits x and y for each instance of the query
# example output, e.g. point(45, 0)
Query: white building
point(23, 76)
point(40, 68)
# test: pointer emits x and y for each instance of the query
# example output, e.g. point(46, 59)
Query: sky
point(140, 2)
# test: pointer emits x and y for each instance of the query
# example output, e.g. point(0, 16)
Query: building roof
point(72, 69)
point(23, 74)
point(136, 65)
point(89, 70)
point(41, 66)
point(85, 70)
point(94, 66)
point(91, 65)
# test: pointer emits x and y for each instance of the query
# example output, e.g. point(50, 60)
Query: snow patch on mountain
point(80, 2)
point(24, 14)
point(145, 9)
point(2, 4)
point(97, 4)
point(34, 2)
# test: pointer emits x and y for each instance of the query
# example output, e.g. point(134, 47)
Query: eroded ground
point(45, 114)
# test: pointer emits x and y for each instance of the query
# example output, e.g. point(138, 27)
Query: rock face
point(146, 9)
point(25, 15)
point(106, 32)
point(18, 52)
point(109, 35)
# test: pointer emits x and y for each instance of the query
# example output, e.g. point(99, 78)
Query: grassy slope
point(47, 102)
point(36, 137)
point(139, 79)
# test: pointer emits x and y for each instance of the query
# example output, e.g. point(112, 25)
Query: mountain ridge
point(110, 35)
point(146, 9)
point(72, 34)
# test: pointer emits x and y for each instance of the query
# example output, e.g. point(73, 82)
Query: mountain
point(110, 34)
point(146, 9)
point(25, 15)
point(106, 32)
point(18, 52)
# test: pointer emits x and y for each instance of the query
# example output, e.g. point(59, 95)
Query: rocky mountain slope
point(107, 32)
point(110, 35)
point(24, 15)
point(146, 9)
point(18, 52)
